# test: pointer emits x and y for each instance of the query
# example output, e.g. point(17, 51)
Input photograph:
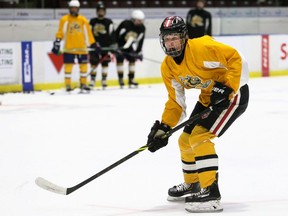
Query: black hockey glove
point(56, 46)
point(95, 49)
point(155, 140)
point(220, 97)
point(139, 56)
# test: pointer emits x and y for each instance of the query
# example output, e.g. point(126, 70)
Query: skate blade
point(84, 92)
point(177, 199)
point(133, 86)
point(204, 207)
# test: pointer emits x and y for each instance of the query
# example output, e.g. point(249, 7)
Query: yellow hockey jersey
point(76, 33)
point(205, 61)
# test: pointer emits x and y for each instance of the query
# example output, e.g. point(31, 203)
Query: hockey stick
point(152, 60)
point(88, 49)
point(100, 62)
point(78, 50)
point(47, 185)
point(119, 51)
point(109, 49)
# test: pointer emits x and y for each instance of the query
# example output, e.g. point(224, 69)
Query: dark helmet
point(173, 25)
point(100, 5)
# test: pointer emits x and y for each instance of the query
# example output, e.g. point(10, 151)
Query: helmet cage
point(72, 12)
point(173, 52)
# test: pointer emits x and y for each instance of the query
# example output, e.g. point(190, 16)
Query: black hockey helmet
point(173, 25)
point(100, 5)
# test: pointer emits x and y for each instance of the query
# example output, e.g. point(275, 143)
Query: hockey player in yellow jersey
point(75, 31)
point(220, 73)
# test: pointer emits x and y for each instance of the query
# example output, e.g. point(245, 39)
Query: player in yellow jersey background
point(221, 74)
point(75, 33)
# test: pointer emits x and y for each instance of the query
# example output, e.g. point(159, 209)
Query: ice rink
point(68, 138)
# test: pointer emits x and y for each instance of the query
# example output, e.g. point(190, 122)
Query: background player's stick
point(78, 50)
point(47, 185)
point(115, 50)
point(119, 51)
point(100, 62)
point(149, 59)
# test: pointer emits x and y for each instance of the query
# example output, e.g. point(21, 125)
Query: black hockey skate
point(179, 192)
point(132, 84)
point(68, 88)
point(84, 89)
point(121, 83)
point(207, 200)
point(104, 84)
point(92, 84)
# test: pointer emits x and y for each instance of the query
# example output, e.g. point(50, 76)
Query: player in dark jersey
point(130, 35)
point(198, 21)
point(103, 31)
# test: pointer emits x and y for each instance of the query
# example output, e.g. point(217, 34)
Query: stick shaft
point(54, 188)
point(100, 62)
point(76, 187)
point(115, 50)
point(169, 133)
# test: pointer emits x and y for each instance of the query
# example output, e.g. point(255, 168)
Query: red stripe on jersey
point(229, 110)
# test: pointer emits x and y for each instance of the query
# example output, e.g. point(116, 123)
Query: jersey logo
point(194, 82)
point(131, 34)
point(197, 21)
point(99, 29)
point(74, 27)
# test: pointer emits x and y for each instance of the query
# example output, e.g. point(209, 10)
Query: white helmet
point(74, 3)
point(138, 14)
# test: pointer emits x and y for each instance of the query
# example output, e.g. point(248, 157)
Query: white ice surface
point(68, 138)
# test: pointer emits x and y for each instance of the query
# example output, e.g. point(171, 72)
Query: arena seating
point(142, 3)
point(190, 3)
